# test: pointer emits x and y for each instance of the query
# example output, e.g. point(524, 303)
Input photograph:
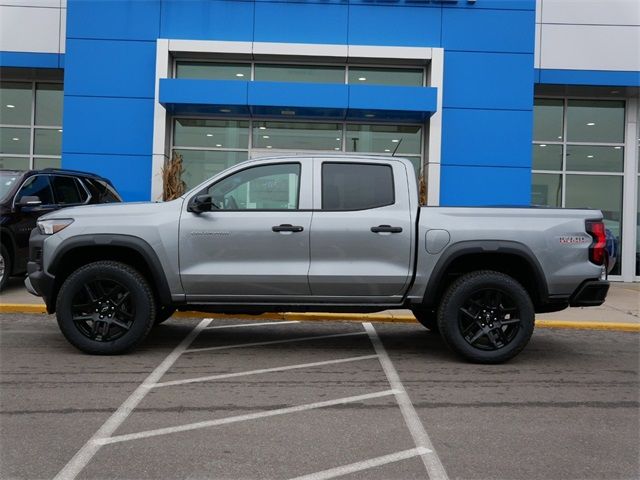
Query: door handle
point(287, 227)
point(386, 229)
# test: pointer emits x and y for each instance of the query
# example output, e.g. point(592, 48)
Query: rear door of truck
point(361, 229)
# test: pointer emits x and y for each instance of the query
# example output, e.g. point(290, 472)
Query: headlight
point(49, 227)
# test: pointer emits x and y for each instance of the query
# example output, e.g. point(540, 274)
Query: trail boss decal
point(574, 239)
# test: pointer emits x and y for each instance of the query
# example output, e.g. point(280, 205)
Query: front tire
point(5, 266)
point(105, 308)
point(486, 317)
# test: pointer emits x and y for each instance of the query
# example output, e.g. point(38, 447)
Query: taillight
point(597, 249)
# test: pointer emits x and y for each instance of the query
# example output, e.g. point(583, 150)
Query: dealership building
point(495, 102)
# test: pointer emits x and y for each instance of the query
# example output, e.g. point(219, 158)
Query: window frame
point(351, 162)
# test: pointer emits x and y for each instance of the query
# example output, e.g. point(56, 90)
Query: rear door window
point(356, 186)
point(67, 191)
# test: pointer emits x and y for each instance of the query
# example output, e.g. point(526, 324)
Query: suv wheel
point(105, 308)
point(486, 317)
point(428, 317)
point(5, 266)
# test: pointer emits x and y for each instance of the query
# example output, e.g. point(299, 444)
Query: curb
point(357, 317)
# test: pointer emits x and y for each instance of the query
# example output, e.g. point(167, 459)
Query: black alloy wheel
point(486, 317)
point(105, 308)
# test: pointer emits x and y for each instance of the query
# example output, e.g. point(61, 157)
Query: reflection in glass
point(299, 73)
point(547, 156)
point(49, 104)
point(547, 119)
point(595, 121)
point(15, 103)
point(14, 163)
point(601, 192)
point(199, 165)
point(15, 140)
point(213, 71)
point(386, 76)
point(297, 135)
point(384, 139)
point(48, 141)
point(594, 158)
point(546, 189)
point(211, 133)
point(39, 163)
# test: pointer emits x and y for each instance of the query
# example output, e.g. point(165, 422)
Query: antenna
point(396, 149)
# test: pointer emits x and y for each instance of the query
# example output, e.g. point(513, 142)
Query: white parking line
point(240, 418)
point(252, 324)
point(262, 370)
point(86, 453)
point(273, 342)
point(365, 465)
point(431, 461)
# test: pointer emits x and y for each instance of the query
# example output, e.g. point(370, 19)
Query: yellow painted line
point(389, 317)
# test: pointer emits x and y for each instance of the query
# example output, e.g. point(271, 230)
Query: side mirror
point(201, 203)
point(29, 201)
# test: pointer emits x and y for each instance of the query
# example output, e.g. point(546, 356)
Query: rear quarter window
point(356, 186)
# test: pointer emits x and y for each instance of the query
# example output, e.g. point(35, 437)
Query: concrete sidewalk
point(622, 307)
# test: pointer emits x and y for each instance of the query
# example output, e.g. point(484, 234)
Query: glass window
point(67, 191)
point(211, 133)
point(7, 182)
point(15, 103)
point(299, 73)
point(213, 71)
point(595, 121)
point(40, 163)
point(547, 157)
point(297, 135)
point(386, 76)
point(356, 186)
point(49, 104)
point(546, 189)
point(547, 119)
point(37, 186)
point(268, 187)
point(384, 139)
point(15, 140)
point(48, 141)
point(198, 165)
point(14, 163)
point(595, 158)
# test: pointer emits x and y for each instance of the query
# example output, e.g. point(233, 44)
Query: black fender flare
point(460, 249)
point(119, 240)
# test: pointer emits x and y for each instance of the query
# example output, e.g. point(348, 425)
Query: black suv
point(25, 195)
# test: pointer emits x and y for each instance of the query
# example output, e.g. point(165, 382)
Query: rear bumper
point(591, 293)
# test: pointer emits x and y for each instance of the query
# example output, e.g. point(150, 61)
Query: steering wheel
point(230, 203)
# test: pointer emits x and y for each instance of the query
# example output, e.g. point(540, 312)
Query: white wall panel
point(63, 30)
point(29, 29)
point(32, 3)
point(536, 57)
point(591, 12)
point(586, 47)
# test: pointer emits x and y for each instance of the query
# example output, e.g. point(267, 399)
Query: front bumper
point(591, 293)
point(38, 281)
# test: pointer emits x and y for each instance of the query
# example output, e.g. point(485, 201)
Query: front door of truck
point(254, 243)
point(361, 231)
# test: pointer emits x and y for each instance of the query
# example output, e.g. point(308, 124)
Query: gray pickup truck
point(320, 233)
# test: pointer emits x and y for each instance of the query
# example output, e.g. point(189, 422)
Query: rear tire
point(486, 317)
point(5, 266)
point(105, 308)
point(428, 317)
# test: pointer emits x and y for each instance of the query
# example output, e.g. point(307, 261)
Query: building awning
point(311, 101)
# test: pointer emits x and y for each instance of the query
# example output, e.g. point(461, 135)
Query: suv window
point(67, 191)
point(356, 186)
point(107, 192)
point(38, 186)
point(267, 187)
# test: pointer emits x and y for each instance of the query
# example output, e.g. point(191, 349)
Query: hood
point(127, 209)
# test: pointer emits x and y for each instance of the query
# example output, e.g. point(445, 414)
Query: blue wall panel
point(300, 23)
point(113, 68)
point(495, 4)
point(588, 77)
point(488, 80)
point(486, 137)
point(119, 20)
point(28, 59)
point(314, 95)
point(488, 30)
point(391, 25)
point(131, 175)
point(207, 20)
point(474, 186)
point(213, 92)
point(122, 126)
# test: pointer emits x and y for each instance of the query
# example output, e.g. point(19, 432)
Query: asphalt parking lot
point(241, 400)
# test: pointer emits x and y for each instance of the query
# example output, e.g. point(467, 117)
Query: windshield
point(7, 181)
